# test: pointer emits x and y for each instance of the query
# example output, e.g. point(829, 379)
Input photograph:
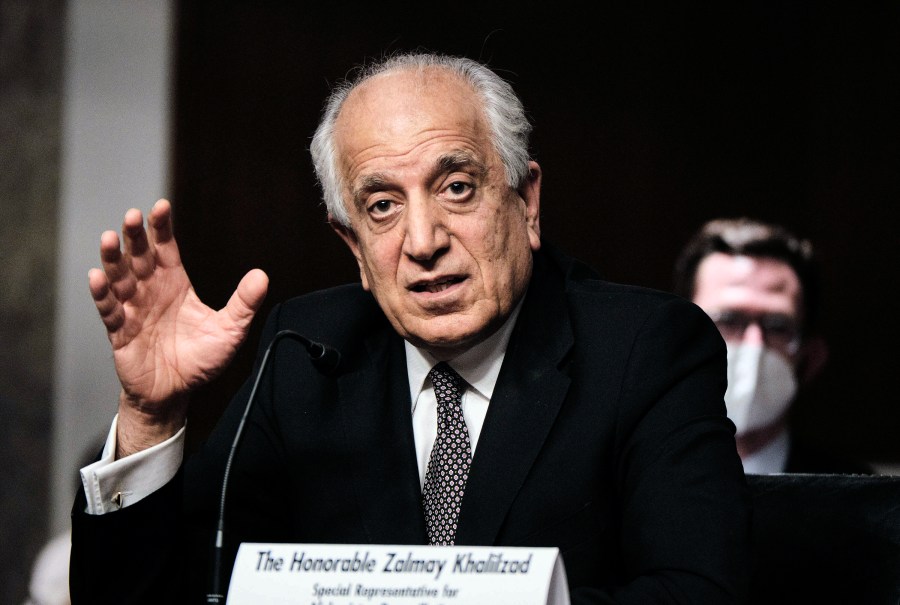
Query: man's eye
point(381, 207)
point(780, 326)
point(732, 322)
point(458, 188)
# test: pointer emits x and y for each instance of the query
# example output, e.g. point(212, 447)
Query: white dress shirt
point(110, 484)
point(771, 458)
point(479, 367)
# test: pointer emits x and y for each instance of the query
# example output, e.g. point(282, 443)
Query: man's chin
point(448, 334)
point(445, 343)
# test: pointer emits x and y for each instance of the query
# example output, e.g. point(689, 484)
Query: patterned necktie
point(448, 467)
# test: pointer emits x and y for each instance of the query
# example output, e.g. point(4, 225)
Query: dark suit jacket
point(606, 437)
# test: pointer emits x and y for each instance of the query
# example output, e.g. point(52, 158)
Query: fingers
point(121, 280)
point(108, 306)
point(162, 234)
point(247, 298)
point(138, 252)
point(142, 250)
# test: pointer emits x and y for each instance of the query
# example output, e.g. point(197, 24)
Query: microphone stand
point(326, 359)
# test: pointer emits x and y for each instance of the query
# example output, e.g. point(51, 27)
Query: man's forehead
point(386, 174)
point(738, 281)
point(395, 90)
point(397, 122)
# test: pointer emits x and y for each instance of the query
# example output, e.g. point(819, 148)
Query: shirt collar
point(479, 366)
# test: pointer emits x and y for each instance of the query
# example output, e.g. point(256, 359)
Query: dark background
point(648, 119)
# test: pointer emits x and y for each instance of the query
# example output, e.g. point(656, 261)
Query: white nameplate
point(342, 574)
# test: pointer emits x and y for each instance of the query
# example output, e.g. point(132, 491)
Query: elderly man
point(581, 414)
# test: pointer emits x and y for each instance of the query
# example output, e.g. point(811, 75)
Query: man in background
point(759, 283)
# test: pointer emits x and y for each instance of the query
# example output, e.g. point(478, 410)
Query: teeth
point(438, 287)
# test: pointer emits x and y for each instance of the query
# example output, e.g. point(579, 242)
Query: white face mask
point(761, 386)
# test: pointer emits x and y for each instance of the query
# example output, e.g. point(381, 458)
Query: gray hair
point(503, 109)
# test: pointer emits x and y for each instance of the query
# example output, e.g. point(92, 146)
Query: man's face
point(441, 240)
point(755, 300)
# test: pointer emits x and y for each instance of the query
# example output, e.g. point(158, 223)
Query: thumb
point(247, 298)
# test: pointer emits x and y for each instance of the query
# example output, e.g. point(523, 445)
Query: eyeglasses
point(779, 331)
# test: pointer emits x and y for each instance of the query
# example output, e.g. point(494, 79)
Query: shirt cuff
point(111, 484)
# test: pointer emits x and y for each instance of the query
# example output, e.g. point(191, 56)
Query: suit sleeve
point(133, 556)
point(685, 504)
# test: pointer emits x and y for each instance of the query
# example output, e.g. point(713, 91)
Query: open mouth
point(436, 286)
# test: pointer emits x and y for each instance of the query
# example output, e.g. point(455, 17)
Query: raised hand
point(165, 340)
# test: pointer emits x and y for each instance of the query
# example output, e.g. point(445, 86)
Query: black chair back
point(826, 539)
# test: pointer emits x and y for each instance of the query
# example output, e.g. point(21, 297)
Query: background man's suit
point(606, 436)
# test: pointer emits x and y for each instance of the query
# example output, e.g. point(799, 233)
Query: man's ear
point(349, 236)
point(812, 357)
point(530, 193)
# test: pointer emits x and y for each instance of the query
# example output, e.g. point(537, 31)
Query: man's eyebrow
point(367, 185)
point(458, 160)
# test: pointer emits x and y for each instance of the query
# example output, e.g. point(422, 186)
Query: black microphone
point(326, 359)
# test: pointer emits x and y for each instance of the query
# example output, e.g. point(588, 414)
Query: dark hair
point(749, 237)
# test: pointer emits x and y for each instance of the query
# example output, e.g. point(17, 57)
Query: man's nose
point(754, 334)
point(426, 230)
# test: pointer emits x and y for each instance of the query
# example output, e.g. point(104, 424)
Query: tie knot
point(446, 382)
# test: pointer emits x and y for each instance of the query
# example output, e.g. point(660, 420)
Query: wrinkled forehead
point(432, 97)
point(403, 118)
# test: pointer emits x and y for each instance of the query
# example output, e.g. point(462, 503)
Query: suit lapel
point(376, 412)
point(529, 392)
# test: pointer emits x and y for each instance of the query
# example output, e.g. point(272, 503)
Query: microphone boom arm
point(326, 359)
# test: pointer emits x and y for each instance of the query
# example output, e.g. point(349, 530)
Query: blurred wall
point(84, 118)
point(84, 121)
point(30, 86)
point(115, 155)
